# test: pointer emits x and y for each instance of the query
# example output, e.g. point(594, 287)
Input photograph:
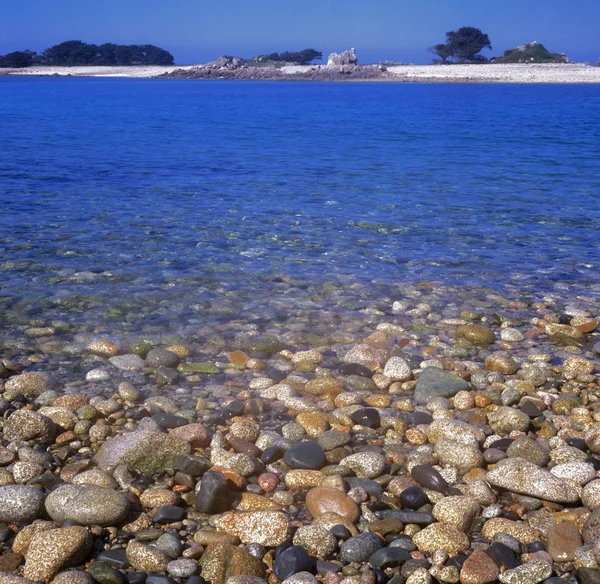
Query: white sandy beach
point(521, 73)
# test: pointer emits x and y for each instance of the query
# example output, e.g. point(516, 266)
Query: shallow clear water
point(146, 201)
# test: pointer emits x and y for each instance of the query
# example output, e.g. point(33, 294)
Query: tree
point(463, 45)
point(17, 59)
point(443, 51)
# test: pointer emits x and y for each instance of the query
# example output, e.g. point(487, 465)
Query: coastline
point(488, 73)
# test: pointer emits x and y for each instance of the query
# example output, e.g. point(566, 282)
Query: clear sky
point(400, 30)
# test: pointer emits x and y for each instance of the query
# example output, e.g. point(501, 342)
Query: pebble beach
point(298, 333)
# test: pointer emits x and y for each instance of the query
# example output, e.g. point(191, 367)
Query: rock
point(578, 472)
point(429, 477)
point(366, 355)
point(532, 572)
point(530, 450)
point(521, 531)
point(25, 425)
point(168, 514)
point(245, 580)
point(268, 528)
point(221, 561)
point(301, 578)
point(87, 505)
point(479, 568)
point(144, 558)
point(305, 455)
point(95, 477)
point(505, 420)
point(521, 476)
point(213, 495)
point(51, 551)
point(453, 430)
point(161, 358)
point(360, 547)
point(316, 540)
point(584, 575)
point(20, 504)
point(502, 363)
point(579, 366)
point(563, 540)
point(389, 557)
point(368, 417)
point(434, 382)
point(398, 369)
point(292, 561)
point(128, 362)
point(328, 499)
point(591, 495)
point(6, 578)
point(591, 528)
point(182, 568)
point(332, 439)
point(441, 536)
point(462, 457)
point(337, 60)
point(461, 512)
point(413, 498)
point(365, 464)
point(195, 434)
point(31, 384)
point(476, 334)
point(75, 577)
point(103, 347)
point(146, 450)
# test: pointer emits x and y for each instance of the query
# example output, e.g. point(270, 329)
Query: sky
point(196, 31)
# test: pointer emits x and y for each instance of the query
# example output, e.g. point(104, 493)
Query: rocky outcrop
point(339, 60)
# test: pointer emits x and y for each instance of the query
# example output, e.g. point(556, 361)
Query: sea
point(196, 210)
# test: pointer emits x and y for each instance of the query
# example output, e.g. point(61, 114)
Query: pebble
point(441, 536)
point(145, 558)
point(30, 384)
point(20, 504)
point(459, 511)
point(397, 369)
point(434, 382)
point(532, 572)
point(389, 557)
point(479, 568)
point(322, 500)
point(128, 362)
point(365, 464)
point(521, 476)
point(563, 540)
point(292, 560)
point(213, 495)
point(317, 540)
point(305, 455)
point(51, 551)
point(24, 425)
point(268, 528)
point(87, 505)
point(360, 547)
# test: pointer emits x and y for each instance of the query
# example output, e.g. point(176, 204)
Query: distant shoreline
point(488, 73)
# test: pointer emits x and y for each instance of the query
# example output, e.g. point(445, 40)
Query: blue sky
point(399, 30)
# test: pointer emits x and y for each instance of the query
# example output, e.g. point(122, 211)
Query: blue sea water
point(151, 190)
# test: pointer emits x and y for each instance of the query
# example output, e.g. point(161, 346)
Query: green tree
point(463, 45)
point(17, 59)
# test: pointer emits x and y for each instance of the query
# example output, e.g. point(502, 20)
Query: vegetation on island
point(531, 53)
point(73, 53)
point(304, 57)
point(462, 46)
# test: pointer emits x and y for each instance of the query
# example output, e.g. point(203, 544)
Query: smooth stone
point(459, 511)
point(168, 514)
point(502, 555)
point(434, 382)
point(166, 420)
point(305, 455)
point(521, 476)
point(530, 450)
point(388, 557)
point(213, 495)
point(476, 334)
point(563, 541)
point(367, 465)
point(169, 544)
point(268, 528)
point(51, 551)
point(320, 500)
point(116, 558)
point(418, 418)
point(129, 362)
point(272, 454)
point(291, 561)
point(25, 425)
point(301, 578)
point(407, 516)
point(360, 547)
point(588, 575)
point(324, 567)
point(20, 504)
point(591, 528)
point(397, 369)
point(146, 450)
point(462, 457)
point(332, 439)
point(161, 358)
point(404, 542)
point(441, 536)
point(104, 573)
point(413, 498)
point(31, 384)
point(144, 558)
point(368, 417)
point(532, 572)
point(429, 477)
point(318, 541)
point(479, 568)
point(373, 488)
point(87, 505)
point(159, 579)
